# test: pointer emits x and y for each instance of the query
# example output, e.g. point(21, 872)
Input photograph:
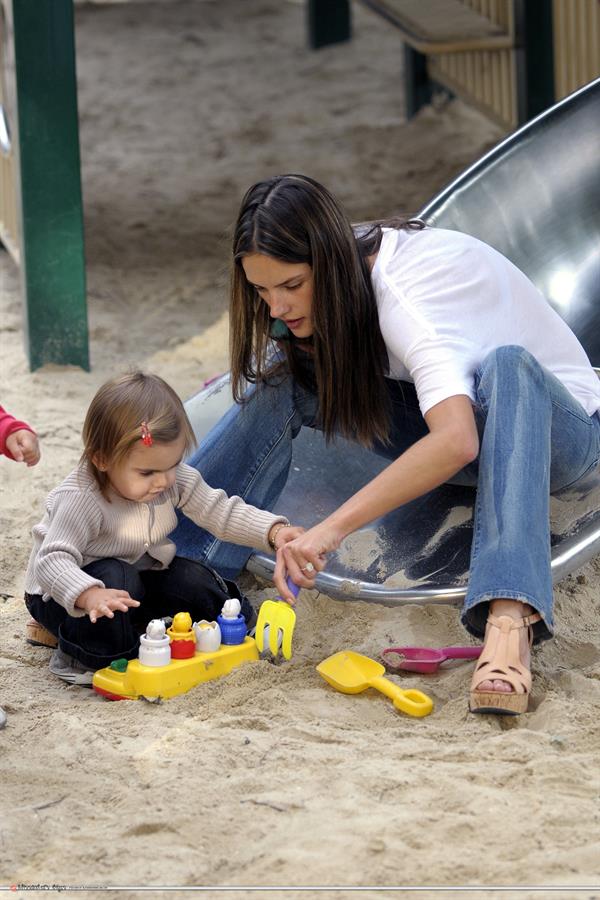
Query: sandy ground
point(267, 777)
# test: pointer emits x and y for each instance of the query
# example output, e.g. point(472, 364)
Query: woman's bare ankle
point(513, 608)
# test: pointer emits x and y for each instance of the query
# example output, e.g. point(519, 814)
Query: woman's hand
point(99, 602)
point(304, 556)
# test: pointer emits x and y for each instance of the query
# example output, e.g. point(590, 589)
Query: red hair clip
point(146, 436)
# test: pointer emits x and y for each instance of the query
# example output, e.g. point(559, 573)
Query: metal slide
point(536, 198)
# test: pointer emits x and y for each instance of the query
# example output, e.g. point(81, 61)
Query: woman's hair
point(113, 424)
point(294, 219)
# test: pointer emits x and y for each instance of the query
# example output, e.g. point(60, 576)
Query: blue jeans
point(535, 439)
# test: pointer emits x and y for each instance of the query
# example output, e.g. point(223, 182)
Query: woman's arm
point(451, 444)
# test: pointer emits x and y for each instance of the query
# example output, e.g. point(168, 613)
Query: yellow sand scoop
point(351, 673)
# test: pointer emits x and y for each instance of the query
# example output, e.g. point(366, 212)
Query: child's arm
point(228, 518)
point(73, 521)
point(18, 440)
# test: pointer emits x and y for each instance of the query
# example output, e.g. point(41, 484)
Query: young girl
point(102, 564)
point(432, 348)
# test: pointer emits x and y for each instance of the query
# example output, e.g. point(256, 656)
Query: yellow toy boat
point(130, 679)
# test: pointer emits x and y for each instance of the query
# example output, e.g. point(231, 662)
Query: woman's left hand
point(305, 556)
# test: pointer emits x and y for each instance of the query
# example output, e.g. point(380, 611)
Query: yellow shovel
point(275, 618)
point(351, 673)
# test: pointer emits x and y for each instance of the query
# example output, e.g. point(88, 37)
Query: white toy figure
point(208, 636)
point(231, 608)
point(155, 647)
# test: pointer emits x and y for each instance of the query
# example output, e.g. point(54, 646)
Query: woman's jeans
point(535, 440)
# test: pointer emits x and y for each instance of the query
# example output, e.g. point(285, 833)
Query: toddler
point(102, 564)
point(18, 441)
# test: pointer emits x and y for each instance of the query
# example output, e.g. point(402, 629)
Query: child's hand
point(99, 602)
point(24, 446)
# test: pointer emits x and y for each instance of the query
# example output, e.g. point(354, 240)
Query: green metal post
point(52, 250)
point(329, 22)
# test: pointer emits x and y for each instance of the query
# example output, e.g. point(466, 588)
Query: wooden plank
point(441, 26)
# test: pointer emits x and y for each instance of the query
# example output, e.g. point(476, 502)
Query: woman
point(434, 350)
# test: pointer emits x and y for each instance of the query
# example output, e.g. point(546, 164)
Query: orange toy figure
point(183, 639)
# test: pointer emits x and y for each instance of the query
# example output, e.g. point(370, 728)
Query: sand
point(266, 777)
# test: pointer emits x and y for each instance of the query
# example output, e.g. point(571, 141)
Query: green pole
point(329, 22)
point(52, 249)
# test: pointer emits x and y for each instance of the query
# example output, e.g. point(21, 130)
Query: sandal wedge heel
point(501, 660)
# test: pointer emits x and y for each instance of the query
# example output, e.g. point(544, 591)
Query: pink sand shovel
point(424, 659)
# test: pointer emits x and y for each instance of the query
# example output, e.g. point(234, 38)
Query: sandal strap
point(525, 622)
point(502, 661)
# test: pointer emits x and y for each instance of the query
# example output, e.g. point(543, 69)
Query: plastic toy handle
point(412, 702)
point(462, 652)
point(292, 586)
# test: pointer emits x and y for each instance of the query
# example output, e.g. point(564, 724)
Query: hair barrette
point(146, 435)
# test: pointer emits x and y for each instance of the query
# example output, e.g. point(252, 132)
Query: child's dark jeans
point(186, 586)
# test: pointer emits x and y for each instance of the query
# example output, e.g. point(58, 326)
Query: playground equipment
point(510, 59)
point(41, 217)
point(536, 199)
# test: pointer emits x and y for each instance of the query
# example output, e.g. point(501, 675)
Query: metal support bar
point(534, 58)
point(418, 88)
point(47, 138)
point(329, 22)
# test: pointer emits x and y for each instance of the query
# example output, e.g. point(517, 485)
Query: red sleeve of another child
point(8, 424)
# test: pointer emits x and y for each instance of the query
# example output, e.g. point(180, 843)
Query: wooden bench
point(514, 62)
point(441, 26)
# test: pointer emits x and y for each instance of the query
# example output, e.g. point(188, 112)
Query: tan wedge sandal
point(501, 660)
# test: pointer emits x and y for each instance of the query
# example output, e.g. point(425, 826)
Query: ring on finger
point(308, 568)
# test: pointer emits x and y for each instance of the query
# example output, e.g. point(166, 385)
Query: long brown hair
point(294, 219)
point(113, 423)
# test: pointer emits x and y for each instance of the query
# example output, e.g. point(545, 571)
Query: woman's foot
point(502, 680)
point(515, 610)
